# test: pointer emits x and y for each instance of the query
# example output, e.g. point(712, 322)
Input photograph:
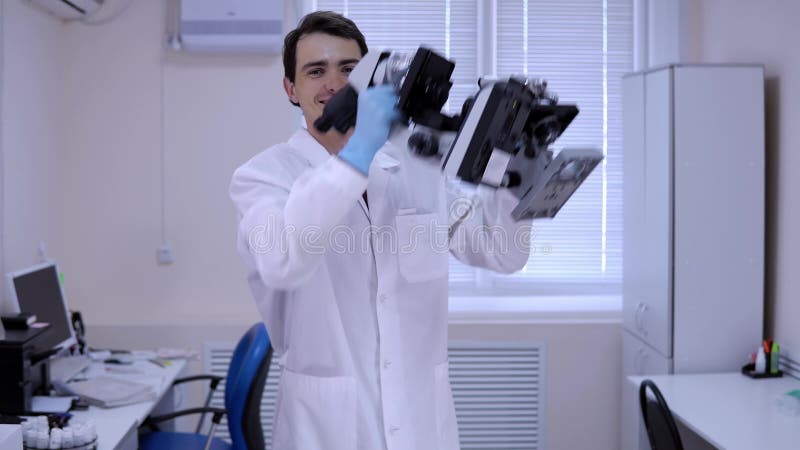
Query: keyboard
point(65, 368)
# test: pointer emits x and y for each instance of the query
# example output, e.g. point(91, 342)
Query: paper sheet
point(42, 403)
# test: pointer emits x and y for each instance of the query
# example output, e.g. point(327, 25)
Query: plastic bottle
point(30, 438)
point(68, 438)
point(92, 430)
point(761, 361)
point(42, 439)
point(55, 439)
point(774, 357)
point(79, 436)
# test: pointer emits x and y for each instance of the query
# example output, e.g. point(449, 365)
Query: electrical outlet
point(165, 255)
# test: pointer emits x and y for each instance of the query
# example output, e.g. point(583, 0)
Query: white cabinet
point(693, 222)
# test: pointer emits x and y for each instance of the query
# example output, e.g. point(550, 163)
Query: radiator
point(498, 389)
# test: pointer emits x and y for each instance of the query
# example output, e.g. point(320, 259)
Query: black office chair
point(661, 429)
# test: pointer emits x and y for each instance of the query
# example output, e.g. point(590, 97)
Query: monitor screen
point(37, 290)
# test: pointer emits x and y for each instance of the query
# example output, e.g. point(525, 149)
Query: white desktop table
point(731, 411)
point(10, 437)
point(117, 428)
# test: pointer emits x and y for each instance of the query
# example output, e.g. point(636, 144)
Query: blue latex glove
point(376, 112)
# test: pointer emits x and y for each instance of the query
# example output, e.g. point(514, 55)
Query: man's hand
point(376, 112)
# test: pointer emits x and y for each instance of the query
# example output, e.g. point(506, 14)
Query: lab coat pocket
point(446, 425)
point(422, 248)
point(315, 413)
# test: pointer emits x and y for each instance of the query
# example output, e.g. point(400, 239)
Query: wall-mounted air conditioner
point(232, 26)
point(69, 9)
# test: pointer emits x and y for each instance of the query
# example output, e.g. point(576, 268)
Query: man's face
point(323, 64)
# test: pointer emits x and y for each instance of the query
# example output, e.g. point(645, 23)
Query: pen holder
point(750, 371)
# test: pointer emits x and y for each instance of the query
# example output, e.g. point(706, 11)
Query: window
point(582, 48)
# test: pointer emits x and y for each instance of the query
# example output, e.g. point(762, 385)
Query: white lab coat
point(355, 298)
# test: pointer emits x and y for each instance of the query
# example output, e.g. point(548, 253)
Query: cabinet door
point(655, 313)
point(637, 359)
point(719, 216)
point(633, 170)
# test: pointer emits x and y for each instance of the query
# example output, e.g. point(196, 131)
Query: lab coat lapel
point(382, 168)
point(308, 147)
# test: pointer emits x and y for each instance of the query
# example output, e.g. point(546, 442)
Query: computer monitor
point(37, 290)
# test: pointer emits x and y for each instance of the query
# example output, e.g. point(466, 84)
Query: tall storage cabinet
point(693, 222)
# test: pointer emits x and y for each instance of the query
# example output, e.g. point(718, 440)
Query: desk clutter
point(39, 432)
point(107, 392)
point(764, 361)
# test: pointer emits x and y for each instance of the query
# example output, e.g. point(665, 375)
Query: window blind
point(582, 48)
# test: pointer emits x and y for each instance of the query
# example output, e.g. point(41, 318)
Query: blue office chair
point(244, 386)
point(662, 433)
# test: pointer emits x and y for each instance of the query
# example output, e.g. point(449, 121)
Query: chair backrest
point(244, 386)
point(662, 433)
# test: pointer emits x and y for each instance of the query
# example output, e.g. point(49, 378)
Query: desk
point(730, 410)
point(10, 437)
point(117, 428)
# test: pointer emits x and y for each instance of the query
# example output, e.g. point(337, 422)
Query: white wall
point(659, 32)
point(220, 111)
point(767, 32)
point(33, 153)
point(81, 142)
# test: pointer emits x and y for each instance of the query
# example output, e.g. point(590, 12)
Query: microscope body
point(501, 138)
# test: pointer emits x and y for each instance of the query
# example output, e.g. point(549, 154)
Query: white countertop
point(730, 410)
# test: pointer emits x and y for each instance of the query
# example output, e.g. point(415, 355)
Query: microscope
point(501, 138)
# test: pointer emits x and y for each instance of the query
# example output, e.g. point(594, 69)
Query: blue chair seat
point(184, 441)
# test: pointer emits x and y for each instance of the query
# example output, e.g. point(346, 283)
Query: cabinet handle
point(641, 319)
point(637, 318)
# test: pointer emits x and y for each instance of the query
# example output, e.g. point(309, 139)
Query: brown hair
point(327, 22)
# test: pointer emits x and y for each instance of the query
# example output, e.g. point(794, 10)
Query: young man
point(346, 241)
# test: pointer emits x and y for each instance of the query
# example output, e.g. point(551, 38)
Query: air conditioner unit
point(69, 9)
point(232, 26)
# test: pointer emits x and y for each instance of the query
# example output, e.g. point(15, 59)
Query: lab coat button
point(382, 298)
point(393, 429)
point(386, 363)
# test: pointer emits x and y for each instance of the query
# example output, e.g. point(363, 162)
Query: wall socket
point(165, 255)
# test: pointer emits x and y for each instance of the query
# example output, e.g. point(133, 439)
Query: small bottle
point(30, 438)
point(761, 361)
point(42, 440)
point(773, 358)
point(92, 430)
point(79, 436)
point(55, 439)
point(68, 438)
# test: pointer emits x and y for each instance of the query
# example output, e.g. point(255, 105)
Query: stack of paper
point(107, 392)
